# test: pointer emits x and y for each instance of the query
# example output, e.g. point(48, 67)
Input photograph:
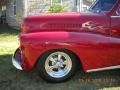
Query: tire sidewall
point(42, 72)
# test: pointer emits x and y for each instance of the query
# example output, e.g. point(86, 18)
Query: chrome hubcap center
point(58, 64)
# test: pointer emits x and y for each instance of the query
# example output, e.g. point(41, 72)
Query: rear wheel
point(57, 65)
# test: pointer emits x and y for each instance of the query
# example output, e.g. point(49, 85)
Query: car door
point(115, 37)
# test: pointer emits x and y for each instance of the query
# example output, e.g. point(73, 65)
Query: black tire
point(43, 73)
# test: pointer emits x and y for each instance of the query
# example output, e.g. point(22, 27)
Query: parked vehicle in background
point(58, 44)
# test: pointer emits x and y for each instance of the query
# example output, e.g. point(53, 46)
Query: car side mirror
point(118, 11)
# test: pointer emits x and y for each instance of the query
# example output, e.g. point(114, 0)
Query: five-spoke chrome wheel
point(57, 65)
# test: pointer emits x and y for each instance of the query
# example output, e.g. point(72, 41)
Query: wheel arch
point(64, 50)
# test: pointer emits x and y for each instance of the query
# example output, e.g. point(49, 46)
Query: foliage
point(56, 9)
point(90, 0)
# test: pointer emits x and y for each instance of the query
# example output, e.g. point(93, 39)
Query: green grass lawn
point(12, 79)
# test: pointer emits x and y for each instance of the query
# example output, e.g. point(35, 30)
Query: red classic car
point(58, 44)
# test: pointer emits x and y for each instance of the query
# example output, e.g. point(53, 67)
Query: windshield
point(103, 5)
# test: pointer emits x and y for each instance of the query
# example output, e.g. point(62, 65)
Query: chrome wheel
point(58, 64)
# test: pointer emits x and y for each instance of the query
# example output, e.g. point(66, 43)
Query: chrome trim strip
point(105, 68)
point(115, 16)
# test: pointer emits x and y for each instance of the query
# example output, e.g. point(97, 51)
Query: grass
point(12, 79)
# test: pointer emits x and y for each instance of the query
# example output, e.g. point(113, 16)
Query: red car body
point(94, 37)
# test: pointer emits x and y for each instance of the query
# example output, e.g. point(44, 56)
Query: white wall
point(14, 20)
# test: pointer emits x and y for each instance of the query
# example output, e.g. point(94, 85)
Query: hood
point(58, 21)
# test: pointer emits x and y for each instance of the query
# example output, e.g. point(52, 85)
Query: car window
point(104, 5)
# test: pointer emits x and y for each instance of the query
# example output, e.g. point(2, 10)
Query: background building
point(16, 10)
